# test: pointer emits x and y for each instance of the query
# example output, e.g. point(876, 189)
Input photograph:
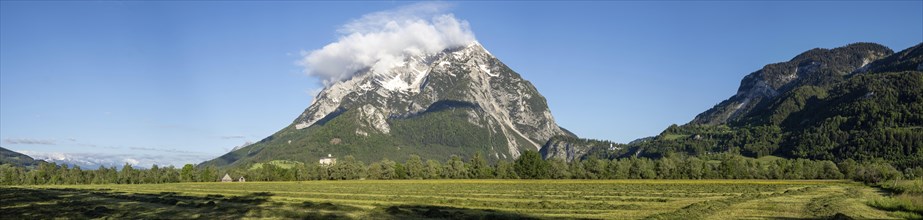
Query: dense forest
point(528, 166)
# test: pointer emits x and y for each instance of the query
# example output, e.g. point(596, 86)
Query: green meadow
point(456, 199)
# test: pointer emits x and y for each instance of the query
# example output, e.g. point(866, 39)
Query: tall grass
point(904, 186)
point(903, 202)
point(908, 197)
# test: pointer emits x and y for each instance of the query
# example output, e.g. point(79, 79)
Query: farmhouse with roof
point(328, 160)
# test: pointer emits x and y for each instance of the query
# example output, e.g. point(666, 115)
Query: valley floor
point(455, 199)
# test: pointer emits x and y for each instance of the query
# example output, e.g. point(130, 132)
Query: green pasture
point(454, 199)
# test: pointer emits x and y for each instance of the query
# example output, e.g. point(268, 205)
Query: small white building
point(328, 160)
point(241, 179)
point(226, 178)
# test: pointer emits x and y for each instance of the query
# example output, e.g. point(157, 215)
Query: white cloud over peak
point(382, 40)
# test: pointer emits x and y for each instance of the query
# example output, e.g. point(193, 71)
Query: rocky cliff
point(458, 101)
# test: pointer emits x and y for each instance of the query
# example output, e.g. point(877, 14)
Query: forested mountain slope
point(17, 159)
point(862, 112)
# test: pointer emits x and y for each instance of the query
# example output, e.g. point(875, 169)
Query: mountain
point(570, 148)
point(846, 103)
point(458, 101)
point(17, 159)
point(816, 67)
point(906, 60)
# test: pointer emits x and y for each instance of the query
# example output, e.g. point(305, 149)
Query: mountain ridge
point(413, 107)
point(854, 104)
point(14, 158)
point(844, 111)
point(817, 66)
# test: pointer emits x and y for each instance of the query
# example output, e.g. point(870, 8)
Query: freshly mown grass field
point(454, 199)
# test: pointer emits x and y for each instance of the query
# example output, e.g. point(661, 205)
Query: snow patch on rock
point(379, 94)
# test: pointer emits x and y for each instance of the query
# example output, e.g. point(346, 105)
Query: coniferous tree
point(530, 165)
point(127, 174)
point(478, 167)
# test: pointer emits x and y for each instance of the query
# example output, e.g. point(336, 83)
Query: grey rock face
point(569, 148)
point(565, 150)
point(510, 105)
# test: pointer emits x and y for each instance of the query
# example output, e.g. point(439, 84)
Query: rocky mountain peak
point(813, 67)
point(390, 85)
point(460, 100)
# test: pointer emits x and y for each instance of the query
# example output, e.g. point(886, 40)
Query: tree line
point(529, 165)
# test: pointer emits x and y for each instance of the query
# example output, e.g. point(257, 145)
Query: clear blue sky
point(181, 82)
